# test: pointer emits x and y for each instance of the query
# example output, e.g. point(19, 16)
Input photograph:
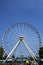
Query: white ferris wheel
point(21, 38)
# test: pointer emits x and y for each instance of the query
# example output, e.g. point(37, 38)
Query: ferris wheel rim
point(25, 24)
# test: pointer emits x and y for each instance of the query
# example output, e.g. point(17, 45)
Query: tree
point(13, 56)
point(1, 52)
point(41, 52)
point(5, 56)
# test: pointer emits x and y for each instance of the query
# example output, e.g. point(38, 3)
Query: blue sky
point(18, 11)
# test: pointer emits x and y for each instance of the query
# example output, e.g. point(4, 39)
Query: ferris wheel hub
point(21, 38)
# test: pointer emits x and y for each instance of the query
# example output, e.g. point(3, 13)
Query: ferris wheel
point(21, 32)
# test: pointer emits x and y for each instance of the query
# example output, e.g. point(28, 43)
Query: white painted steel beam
point(13, 50)
point(29, 50)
